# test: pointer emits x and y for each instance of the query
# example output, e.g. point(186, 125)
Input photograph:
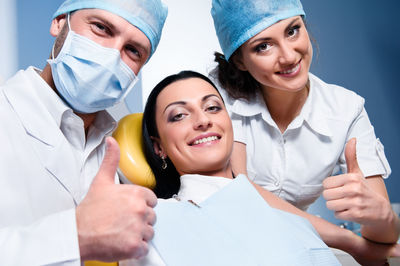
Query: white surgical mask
point(88, 76)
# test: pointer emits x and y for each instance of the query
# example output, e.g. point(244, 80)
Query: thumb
point(395, 251)
point(108, 168)
point(351, 156)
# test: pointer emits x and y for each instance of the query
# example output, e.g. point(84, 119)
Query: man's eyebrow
point(105, 21)
point(112, 28)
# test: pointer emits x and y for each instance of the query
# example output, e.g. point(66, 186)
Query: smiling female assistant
point(290, 127)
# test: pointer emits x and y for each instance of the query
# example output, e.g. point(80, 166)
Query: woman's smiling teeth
point(203, 140)
point(290, 71)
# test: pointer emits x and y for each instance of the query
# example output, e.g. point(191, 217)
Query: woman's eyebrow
point(185, 103)
point(264, 39)
point(208, 96)
point(174, 103)
point(292, 22)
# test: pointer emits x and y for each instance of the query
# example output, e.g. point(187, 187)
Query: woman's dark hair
point(167, 180)
point(239, 84)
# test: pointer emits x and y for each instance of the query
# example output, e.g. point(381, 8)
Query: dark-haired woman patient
point(188, 144)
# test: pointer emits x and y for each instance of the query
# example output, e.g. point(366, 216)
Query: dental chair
point(133, 167)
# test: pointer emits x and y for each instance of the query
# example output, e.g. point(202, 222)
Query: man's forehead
point(147, 15)
point(117, 24)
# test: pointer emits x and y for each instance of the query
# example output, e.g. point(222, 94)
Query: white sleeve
point(370, 151)
point(52, 240)
point(239, 124)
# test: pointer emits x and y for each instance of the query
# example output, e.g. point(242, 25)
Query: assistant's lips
point(292, 71)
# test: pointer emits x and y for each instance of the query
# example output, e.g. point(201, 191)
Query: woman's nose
point(202, 122)
point(287, 54)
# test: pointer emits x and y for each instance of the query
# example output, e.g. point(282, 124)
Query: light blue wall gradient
point(34, 39)
point(359, 49)
point(359, 45)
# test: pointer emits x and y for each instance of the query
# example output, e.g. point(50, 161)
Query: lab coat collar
point(27, 91)
point(27, 88)
point(310, 112)
point(254, 107)
point(313, 111)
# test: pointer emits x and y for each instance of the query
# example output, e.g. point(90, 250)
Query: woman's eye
point(176, 117)
point(263, 47)
point(214, 108)
point(293, 31)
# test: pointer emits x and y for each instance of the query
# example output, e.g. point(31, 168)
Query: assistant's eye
point(293, 31)
point(263, 47)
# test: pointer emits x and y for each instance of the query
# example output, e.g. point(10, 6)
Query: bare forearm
point(386, 233)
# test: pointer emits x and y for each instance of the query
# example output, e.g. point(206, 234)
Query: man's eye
point(133, 51)
point(100, 28)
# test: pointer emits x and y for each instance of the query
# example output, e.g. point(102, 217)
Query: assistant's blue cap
point(147, 15)
point(236, 21)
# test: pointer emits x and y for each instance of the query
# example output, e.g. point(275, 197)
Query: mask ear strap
point(69, 28)
point(52, 51)
point(68, 21)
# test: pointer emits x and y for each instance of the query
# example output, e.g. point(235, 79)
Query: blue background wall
point(359, 48)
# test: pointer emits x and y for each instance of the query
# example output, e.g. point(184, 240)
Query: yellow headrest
point(99, 263)
point(133, 165)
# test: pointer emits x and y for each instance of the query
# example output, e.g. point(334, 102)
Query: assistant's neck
point(285, 106)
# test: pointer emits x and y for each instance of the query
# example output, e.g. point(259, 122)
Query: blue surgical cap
point(236, 21)
point(147, 15)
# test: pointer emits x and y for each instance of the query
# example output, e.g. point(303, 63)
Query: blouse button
point(276, 183)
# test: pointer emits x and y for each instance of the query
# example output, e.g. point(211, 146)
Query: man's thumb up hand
point(115, 221)
point(108, 168)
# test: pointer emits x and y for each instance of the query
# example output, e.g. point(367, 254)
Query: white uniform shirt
point(46, 167)
point(293, 165)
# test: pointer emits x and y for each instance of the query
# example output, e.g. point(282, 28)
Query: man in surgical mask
point(60, 201)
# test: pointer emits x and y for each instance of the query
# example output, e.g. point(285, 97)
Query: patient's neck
point(223, 172)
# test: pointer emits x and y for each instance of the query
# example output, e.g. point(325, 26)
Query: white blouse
point(293, 165)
